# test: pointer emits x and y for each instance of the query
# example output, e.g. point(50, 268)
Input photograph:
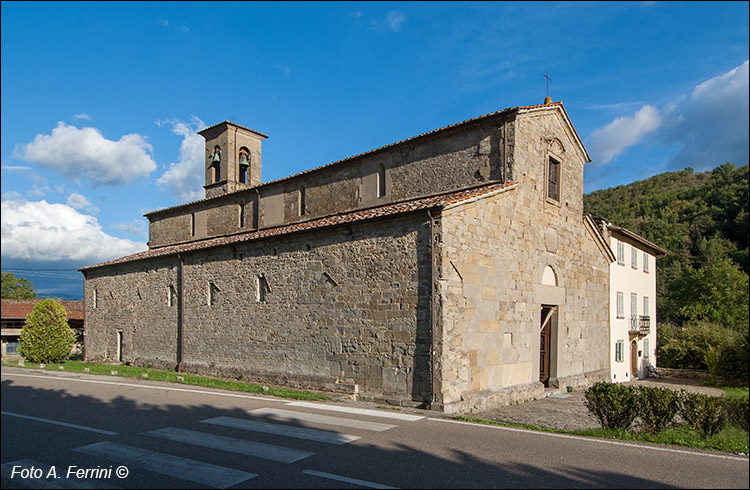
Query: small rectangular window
point(96, 299)
point(192, 224)
point(634, 258)
point(171, 295)
point(553, 180)
point(302, 202)
point(645, 262)
point(646, 311)
point(620, 253)
point(211, 294)
point(633, 304)
point(620, 305)
point(646, 348)
point(381, 181)
point(619, 349)
point(263, 289)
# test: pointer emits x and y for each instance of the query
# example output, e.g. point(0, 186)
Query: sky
point(101, 102)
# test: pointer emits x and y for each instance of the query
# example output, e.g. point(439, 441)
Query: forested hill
point(699, 218)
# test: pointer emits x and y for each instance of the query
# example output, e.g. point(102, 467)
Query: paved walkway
point(567, 411)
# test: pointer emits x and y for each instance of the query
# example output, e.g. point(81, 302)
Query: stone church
point(450, 270)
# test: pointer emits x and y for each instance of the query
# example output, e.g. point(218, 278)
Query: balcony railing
point(640, 325)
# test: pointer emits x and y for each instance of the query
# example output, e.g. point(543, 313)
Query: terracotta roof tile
point(19, 308)
point(338, 219)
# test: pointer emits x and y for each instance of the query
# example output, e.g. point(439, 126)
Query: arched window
point(216, 164)
point(244, 161)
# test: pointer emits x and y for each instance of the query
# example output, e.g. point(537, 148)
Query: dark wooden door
point(544, 347)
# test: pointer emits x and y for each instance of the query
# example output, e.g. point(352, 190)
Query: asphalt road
point(64, 430)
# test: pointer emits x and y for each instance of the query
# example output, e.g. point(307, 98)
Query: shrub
point(738, 411)
point(614, 405)
point(46, 336)
point(704, 413)
point(657, 407)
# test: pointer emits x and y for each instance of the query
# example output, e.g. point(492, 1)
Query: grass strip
point(731, 439)
point(170, 377)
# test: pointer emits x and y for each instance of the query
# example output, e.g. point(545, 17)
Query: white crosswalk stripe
point(240, 446)
point(357, 411)
point(283, 430)
point(187, 469)
point(321, 419)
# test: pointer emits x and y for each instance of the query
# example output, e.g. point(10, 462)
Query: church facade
point(451, 270)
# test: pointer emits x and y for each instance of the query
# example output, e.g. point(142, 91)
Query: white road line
point(357, 411)
point(346, 479)
point(591, 439)
point(147, 387)
point(64, 424)
point(321, 419)
point(283, 430)
point(186, 469)
point(48, 479)
point(239, 446)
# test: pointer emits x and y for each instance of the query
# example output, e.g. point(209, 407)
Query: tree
point(17, 287)
point(46, 337)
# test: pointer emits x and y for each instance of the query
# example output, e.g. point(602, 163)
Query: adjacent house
point(14, 318)
point(451, 270)
point(632, 290)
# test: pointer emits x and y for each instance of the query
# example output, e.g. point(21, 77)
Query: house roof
point(556, 105)
point(319, 223)
point(19, 308)
point(624, 232)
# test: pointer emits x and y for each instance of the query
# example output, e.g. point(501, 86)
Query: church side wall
point(140, 300)
point(331, 309)
point(493, 255)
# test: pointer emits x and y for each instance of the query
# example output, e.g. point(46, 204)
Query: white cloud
point(185, 177)
point(82, 116)
point(395, 20)
point(711, 126)
point(38, 230)
point(707, 128)
point(79, 201)
point(38, 179)
point(623, 132)
point(135, 227)
point(85, 152)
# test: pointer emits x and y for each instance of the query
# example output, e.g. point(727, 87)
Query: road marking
point(346, 479)
point(54, 480)
point(590, 439)
point(248, 448)
point(321, 419)
point(146, 387)
point(357, 411)
point(283, 430)
point(186, 469)
point(64, 424)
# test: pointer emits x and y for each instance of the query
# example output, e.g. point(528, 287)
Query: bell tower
point(232, 158)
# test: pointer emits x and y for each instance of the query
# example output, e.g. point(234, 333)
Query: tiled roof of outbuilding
point(19, 308)
point(324, 222)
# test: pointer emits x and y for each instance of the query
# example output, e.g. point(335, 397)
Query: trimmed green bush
point(46, 336)
point(657, 407)
point(614, 405)
point(704, 413)
point(738, 411)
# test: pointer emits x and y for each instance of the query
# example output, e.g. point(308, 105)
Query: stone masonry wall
point(493, 255)
point(455, 159)
point(339, 307)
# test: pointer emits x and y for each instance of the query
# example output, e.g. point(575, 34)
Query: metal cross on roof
point(546, 75)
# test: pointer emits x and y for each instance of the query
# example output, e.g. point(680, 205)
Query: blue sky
point(101, 101)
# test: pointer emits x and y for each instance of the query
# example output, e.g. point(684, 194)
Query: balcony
point(640, 325)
